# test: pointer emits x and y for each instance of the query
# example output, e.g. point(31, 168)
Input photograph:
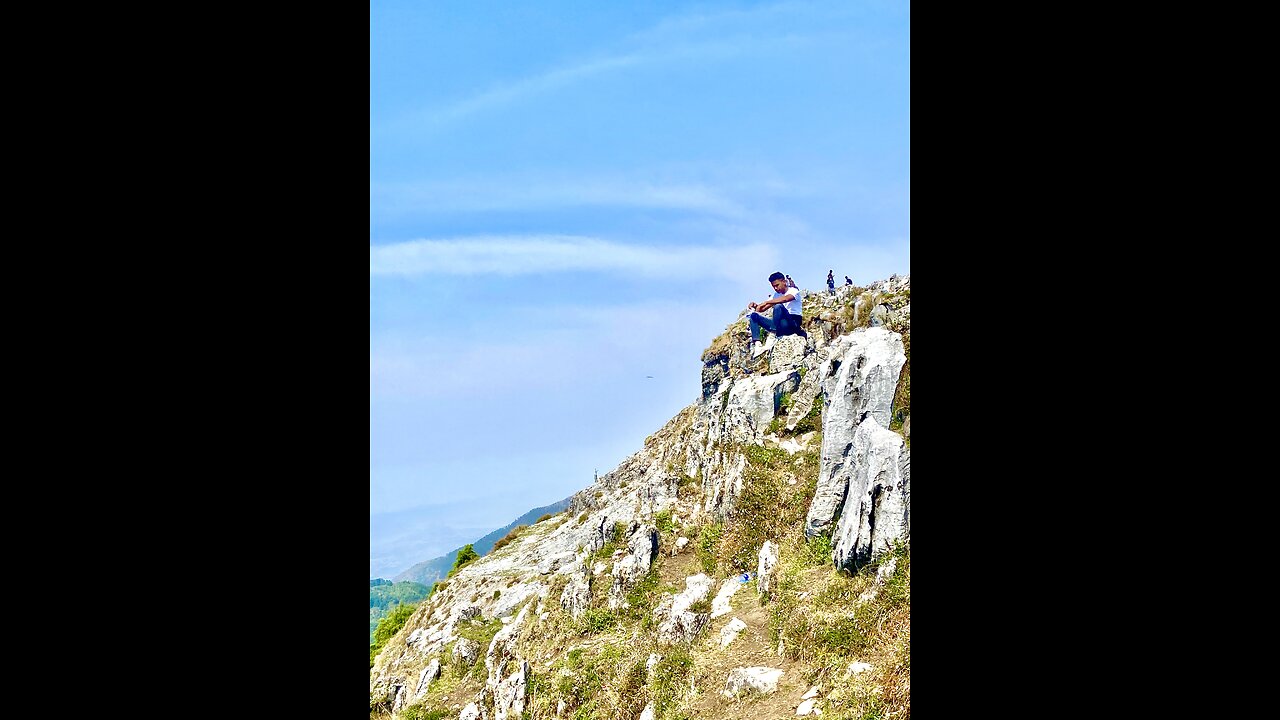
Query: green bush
point(388, 627)
point(466, 556)
point(663, 522)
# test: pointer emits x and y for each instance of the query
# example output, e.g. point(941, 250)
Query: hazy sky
point(568, 197)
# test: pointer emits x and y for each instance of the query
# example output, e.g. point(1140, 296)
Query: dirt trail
point(753, 647)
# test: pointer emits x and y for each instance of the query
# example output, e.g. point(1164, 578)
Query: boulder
point(761, 679)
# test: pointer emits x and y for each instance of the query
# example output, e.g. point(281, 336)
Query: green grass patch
point(596, 620)
point(480, 631)
point(708, 541)
point(769, 507)
point(670, 680)
point(662, 521)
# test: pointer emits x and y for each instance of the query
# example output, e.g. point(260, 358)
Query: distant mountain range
point(429, 571)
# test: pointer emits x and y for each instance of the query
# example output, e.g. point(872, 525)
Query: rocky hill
point(429, 571)
point(752, 560)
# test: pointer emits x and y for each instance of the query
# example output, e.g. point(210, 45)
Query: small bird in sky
point(649, 376)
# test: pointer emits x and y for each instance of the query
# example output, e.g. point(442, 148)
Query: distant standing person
point(791, 283)
point(847, 281)
point(786, 313)
point(831, 282)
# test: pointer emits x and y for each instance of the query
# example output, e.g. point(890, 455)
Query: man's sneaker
point(757, 349)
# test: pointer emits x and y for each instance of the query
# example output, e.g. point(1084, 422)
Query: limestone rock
point(502, 649)
point(679, 623)
point(906, 426)
point(429, 674)
point(764, 570)
point(813, 693)
point(465, 652)
point(576, 598)
point(401, 697)
point(856, 667)
point(761, 679)
point(470, 712)
point(509, 694)
point(788, 353)
point(878, 505)
point(859, 378)
point(720, 605)
point(730, 632)
point(647, 713)
point(643, 548)
point(680, 543)
point(806, 707)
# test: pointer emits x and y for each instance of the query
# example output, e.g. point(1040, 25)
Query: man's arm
point(773, 301)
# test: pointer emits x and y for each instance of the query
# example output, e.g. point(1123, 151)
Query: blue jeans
point(782, 324)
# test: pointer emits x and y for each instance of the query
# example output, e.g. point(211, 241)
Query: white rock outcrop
point(729, 632)
point(761, 679)
point(677, 623)
point(720, 605)
point(877, 508)
point(859, 378)
point(765, 580)
point(576, 597)
point(807, 708)
point(426, 677)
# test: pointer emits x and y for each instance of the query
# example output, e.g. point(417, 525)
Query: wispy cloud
point(543, 193)
point(680, 39)
point(522, 255)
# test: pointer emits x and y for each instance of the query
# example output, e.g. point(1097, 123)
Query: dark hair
point(777, 276)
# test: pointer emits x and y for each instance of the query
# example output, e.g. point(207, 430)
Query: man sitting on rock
point(786, 314)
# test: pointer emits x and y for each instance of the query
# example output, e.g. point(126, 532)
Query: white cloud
point(674, 39)
point(541, 193)
point(522, 255)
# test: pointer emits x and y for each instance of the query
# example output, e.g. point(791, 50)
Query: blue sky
point(568, 197)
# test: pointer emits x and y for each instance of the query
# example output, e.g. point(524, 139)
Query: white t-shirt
point(792, 306)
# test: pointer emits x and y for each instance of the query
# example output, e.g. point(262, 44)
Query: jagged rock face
point(761, 679)
point(502, 649)
point(877, 508)
point(764, 570)
point(713, 371)
point(509, 695)
point(788, 354)
point(401, 697)
point(677, 622)
point(508, 689)
point(429, 674)
point(643, 548)
point(860, 376)
point(576, 598)
point(465, 652)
